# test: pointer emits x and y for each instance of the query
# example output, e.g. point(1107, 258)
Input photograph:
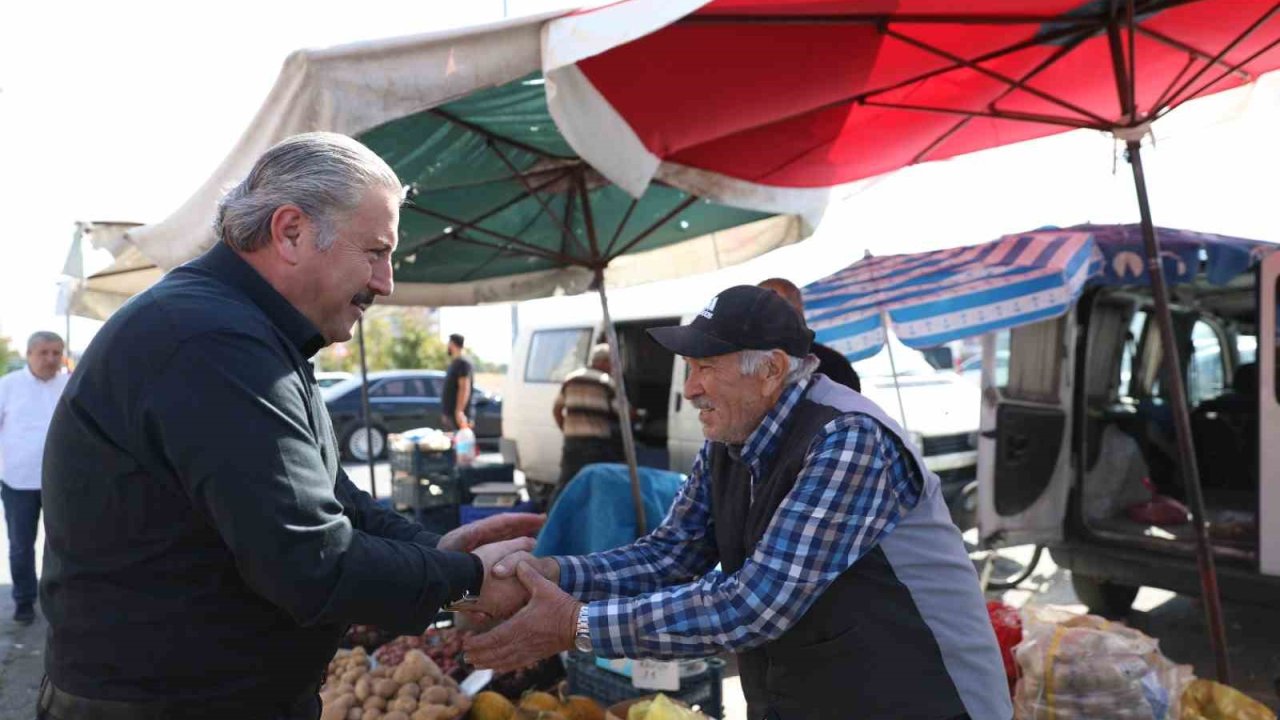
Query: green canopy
point(495, 191)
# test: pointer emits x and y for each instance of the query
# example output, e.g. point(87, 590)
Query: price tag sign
point(655, 675)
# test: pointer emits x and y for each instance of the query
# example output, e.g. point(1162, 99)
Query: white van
point(1081, 418)
point(942, 408)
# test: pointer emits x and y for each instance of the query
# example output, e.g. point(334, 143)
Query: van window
point(1035, 356)
point(553, 354)
point(1130, 370)
point(1207, 375)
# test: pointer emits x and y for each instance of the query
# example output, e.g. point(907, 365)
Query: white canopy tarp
point(353, 88)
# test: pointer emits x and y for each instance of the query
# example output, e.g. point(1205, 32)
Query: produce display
point(415, 689)
point(535, 705)
point(1082, 666)
point(662, 707)
point(444, 647)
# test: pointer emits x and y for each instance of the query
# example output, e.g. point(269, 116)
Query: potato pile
point(416, 689)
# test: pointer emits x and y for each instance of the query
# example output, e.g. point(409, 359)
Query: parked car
point(401, 400)
point(327, 378)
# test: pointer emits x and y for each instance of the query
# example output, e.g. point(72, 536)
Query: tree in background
point(10, 358)
point(395, 339)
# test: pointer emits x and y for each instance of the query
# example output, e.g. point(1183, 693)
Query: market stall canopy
point(771, 103)
point(498, 207)
point(96, 293)
point(935, 297)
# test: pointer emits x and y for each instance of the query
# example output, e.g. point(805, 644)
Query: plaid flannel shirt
point(664, 596)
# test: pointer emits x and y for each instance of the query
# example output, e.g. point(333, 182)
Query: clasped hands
point(538, 619)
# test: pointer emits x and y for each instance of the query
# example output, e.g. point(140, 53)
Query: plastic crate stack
point(702, 689)
point(424, 482)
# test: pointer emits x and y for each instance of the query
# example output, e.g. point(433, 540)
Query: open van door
point(1269, 415)
point(1024, 459)
point(684, 433)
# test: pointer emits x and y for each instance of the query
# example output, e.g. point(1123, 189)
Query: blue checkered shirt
point(664, 595)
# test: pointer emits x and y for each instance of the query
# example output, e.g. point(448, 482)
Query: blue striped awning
point(936, 297)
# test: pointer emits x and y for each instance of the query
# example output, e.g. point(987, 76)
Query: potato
point(382, 671)
point(333, 713)
point(395, 715)
point(355, 713)
point(351, 676)
point(409, 690)
point(406, 673)
point(427, 681)
point(405, 705)
point(372, 714)
point(373, 702)
point(385, 688)
point(436, 695)
point(364, 688)
point(433, 712)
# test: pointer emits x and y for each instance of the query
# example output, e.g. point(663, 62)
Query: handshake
point(526, 615)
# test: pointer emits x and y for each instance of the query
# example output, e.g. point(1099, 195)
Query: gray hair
point(600, 352)
point(798, 369)
point(43, 336)
point(324, 174)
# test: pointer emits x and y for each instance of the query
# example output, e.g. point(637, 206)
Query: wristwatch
point(582, 636)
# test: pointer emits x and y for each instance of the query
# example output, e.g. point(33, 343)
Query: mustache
point(364, 298)
point(701, 403)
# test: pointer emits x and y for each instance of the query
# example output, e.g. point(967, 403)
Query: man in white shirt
point(27, 399)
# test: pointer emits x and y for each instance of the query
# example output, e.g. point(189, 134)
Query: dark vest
point(863, 649)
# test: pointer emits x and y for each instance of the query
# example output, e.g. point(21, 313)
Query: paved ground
point(1177, 621)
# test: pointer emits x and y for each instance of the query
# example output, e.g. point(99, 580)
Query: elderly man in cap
point(843, 587)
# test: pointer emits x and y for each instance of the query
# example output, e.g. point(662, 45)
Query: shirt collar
point(762, 443)
point(223, 263)
point(36, 379)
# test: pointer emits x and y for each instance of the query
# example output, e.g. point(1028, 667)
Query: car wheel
point(357, 443)
point(964, 507)
point(1103, 597)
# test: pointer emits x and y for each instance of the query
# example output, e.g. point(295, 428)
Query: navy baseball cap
point(744, 317)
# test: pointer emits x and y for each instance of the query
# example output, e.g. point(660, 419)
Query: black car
point(401, 400)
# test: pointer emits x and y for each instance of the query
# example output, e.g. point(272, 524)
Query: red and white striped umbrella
point(770, 103)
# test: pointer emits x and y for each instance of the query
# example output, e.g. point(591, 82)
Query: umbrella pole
point(364, 410)
point(893, 367)
point(624, 406)
point(1182, 420)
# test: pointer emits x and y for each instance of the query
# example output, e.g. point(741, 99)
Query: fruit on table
point(581, 707)
point(662, 708)
point(536, 700)
point(490, 705)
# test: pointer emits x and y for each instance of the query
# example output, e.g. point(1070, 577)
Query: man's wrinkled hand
point(544, 627)
point(500, 598)
point(546, 566)
point(495, 528)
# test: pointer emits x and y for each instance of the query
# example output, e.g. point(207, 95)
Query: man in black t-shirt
point(455, 402)
point(831, 363)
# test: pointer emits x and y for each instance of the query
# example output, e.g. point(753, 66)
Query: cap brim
point(689, 341)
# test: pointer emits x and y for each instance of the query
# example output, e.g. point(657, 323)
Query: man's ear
point(289, 225)
point(777, 366)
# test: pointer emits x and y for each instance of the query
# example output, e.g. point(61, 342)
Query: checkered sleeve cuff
point(612, 629)
point(575, 576)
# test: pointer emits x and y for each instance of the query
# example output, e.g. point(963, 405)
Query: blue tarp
point(595, 511)
point(936, 297)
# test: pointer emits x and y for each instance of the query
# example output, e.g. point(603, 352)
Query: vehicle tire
point(1103, 597)
point(964, 507)
point(353, 445)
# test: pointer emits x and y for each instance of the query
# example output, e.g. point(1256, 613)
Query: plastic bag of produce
point(1082, 667)
point(1007, 623)
point(1208, 700)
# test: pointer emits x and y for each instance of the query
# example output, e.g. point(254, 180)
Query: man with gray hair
point(27, 399)
point(206, 550)
point(586, 411)
point(843, 587)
